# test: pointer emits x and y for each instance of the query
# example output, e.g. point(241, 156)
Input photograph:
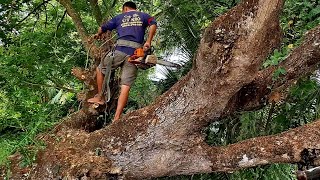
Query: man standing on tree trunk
point(130, 27)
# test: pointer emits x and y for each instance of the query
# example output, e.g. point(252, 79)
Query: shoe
point(96, 99)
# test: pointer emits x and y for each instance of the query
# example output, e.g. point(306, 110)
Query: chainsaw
point(146, 59)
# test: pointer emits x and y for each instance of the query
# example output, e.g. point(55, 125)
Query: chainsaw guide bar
point(141, 58)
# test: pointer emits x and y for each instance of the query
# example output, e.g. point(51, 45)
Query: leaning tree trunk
point(166, 139)
point(88, 76)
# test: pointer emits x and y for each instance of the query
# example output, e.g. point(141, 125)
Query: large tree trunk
point(166, 139)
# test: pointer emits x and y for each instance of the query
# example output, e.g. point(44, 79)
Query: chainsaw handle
point(148, 51)
point(151, 48)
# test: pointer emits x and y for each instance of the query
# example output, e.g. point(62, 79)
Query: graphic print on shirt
point(133, 20)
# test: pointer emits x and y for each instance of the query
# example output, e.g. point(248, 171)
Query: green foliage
point(297, 18)
point(182, 22)
point(221, 176)
point(144, 91)
point(301, 107)
point(37, 88)
point(269, 172)
point(171, 77)
point(280, 71)
point(181, 26)
point(276, 57)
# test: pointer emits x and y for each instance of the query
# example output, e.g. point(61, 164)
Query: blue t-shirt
point(130, 26)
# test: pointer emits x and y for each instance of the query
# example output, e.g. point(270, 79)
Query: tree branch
point(86, 40)
point(287, 147)
point(34, 10)
point(76, 19)
point(61, 20)
point(96, 11)
point(301, 61)
point(50, 86)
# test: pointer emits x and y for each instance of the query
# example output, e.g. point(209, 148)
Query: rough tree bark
point(166, 139)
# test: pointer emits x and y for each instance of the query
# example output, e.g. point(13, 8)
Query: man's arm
point(152, 32)
point(108, 26)
point(98, 34)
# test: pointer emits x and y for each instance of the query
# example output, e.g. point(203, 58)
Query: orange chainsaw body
point(137, 56)
point(145, 59)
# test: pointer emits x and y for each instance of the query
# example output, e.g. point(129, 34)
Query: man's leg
point(98, 98)
point(100, 78)
point(128, 75)
point(122, 101)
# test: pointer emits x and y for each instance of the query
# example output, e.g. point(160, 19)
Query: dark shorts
point(118, 58)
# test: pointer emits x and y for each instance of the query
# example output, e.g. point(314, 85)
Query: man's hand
point(146, 46)
point(97, 36)
point(99, 33)
point(152, 32)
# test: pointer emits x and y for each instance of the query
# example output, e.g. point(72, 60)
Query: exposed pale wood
point(151, 59)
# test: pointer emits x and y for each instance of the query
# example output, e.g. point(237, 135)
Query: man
point(130, 27)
